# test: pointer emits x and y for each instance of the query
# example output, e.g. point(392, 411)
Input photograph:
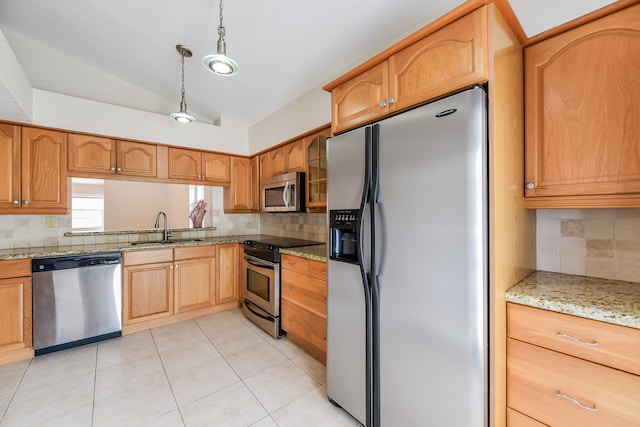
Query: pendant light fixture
point(219, 63)
point(182, 116)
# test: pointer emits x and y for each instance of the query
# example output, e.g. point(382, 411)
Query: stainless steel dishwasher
point(76, 300)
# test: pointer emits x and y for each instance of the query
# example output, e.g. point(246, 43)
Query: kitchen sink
point(165, 242)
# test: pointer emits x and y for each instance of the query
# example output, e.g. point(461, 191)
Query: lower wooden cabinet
point(147, 285)
point(15, 311)
point(304, 304)
point(195, 277)
point(163, 286)
point(553, 377)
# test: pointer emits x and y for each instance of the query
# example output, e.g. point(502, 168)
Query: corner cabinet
point(447, 60)
point(33, 172)
point(15, 311)
point(582, 108)
point(316, 178)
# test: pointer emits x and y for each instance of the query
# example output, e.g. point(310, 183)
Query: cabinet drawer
point(147, 257)
point(304, 298)
point(305, 324)
point(318, 270)
point(15, 268)
point(194, 252)
point(516, 419)
point(542, 383)
point(294, 263)
point(314, 286)
point(611, 345)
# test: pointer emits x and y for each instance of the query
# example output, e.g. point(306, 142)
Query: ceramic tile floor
point(218, 370)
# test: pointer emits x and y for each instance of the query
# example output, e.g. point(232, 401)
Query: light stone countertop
point(611, 301)
point(49, 251)
point(315, 252)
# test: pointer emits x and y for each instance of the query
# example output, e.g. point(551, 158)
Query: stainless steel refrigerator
point(407, 304)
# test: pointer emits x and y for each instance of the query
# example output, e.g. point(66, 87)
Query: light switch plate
point(50, 221)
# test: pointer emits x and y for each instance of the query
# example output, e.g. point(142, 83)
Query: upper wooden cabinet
point(447, 60)
point(193, 165)
point(237, 196)
point(286, 158)
point(582, 106)
point(33, 172)
point(316, 178)
point(105, 156)
point(255, 183)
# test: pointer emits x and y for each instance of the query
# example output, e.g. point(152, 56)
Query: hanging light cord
point(182, 55)
point(221, 30)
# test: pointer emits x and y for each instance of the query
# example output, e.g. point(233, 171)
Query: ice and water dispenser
point(344, 228)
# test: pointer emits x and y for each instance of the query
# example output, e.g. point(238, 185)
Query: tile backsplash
point(296, 225)
point(590, 242)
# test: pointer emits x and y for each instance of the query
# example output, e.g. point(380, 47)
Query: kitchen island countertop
point(611, 301)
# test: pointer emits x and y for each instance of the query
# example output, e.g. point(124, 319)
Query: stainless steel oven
point(262, 293)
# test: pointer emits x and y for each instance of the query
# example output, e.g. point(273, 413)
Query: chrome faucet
point(166, 234)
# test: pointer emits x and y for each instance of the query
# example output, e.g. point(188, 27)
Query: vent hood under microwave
point(283, 193)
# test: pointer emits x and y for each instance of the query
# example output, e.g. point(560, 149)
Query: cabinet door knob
point(25, 202)
point(383, 104)
point(119, 169)
point(112, 168)
point(530, 186)
point(392, 100)
point(16, 202)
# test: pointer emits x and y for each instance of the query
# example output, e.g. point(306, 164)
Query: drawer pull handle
point(578, 340)
point(582, 405)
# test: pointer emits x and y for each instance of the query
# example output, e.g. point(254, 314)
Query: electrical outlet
point(50, 221)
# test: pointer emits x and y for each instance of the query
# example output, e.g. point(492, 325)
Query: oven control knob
point(248, 243)
point(270, 247)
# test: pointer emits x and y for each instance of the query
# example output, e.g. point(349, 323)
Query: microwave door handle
point(286, 194)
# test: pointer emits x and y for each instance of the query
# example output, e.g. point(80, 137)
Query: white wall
point(15, 89)
point(67, 112)
point(309, 111)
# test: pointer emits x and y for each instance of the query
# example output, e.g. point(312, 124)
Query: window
point(196, 192)
point(87, 204)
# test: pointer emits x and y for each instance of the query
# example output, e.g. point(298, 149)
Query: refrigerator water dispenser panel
point(344, 228)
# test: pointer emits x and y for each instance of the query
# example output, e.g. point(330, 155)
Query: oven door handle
point(258, 263)
point(248, 304)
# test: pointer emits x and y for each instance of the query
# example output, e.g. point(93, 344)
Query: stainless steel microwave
point(283, 193)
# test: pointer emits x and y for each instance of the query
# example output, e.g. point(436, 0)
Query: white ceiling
point(122, 52)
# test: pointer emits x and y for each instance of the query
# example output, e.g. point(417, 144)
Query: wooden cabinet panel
point(147, 292)
point(582, 94)
point(216, 168)
point(265, 166)
point(305, 292)
point(516, 419)
point(562, 390)
point(228, 274)
point(278, 161)
point(195, 284)
point(147, 257)
point(358, 100)
point(304, 324)
point(15, 305)
point(44, 170)
point(91, 154)
point(316, 178)
point(255, 183)
point(136, 159)
point(443, 62)
point(237, 197)
point(295, 155)
point(612, 345)
point(185, 164)
point(10, 176)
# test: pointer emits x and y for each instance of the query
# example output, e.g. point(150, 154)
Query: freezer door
point(346, 331)
point(432, 270)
